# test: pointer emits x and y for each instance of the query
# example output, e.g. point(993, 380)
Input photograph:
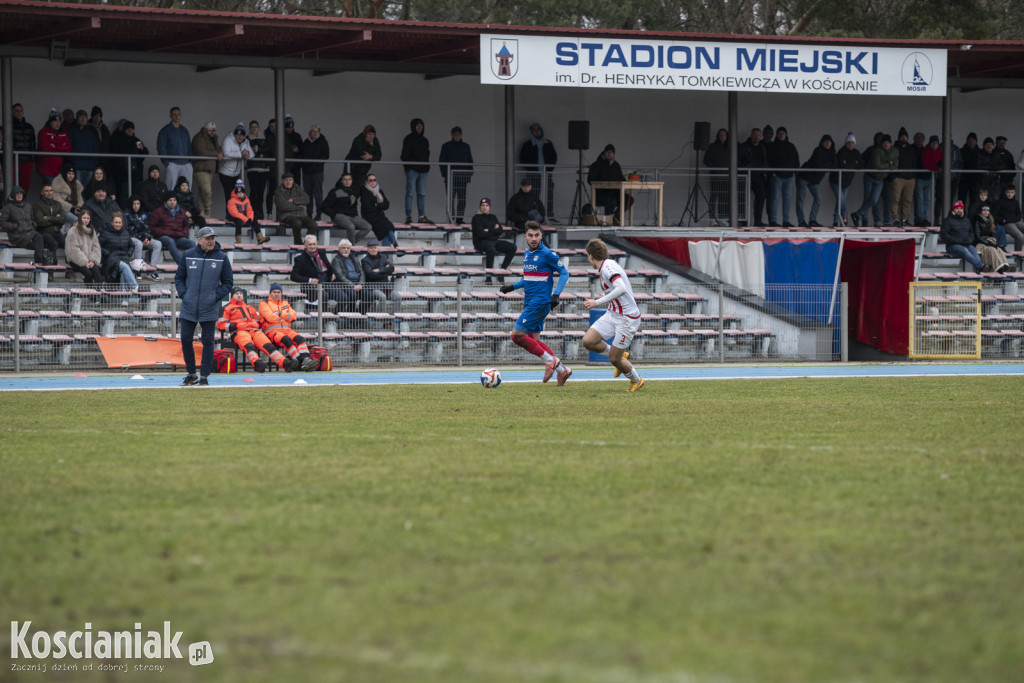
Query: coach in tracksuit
point(203, 280)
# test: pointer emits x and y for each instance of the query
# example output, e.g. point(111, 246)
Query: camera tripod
point(692, 208)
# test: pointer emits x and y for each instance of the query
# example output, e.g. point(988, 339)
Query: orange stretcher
point(135, 352)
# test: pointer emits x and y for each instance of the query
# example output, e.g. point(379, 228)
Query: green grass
point(787, 530)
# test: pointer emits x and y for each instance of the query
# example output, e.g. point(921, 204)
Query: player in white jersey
point(622, 319)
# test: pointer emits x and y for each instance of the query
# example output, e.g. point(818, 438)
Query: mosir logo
point(505, 62)
point(916, 72)
point(88, 644)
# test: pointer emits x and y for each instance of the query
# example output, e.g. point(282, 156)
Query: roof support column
point(279, 115)
point(945, 196)
point(734, 181)
point(7, 97)
point(511, 186)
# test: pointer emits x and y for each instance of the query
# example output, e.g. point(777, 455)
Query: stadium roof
point(76, 34)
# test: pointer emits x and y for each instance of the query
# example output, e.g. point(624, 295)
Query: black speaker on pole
point(579, 135)
point(701, 135)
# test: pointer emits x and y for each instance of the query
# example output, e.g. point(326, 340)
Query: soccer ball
point(490, 378)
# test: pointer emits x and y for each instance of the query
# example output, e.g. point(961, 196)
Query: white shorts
point(617, 326)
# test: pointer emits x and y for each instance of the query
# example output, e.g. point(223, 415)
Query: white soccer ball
point(490, 378)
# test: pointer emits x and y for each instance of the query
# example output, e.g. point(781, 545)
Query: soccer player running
point(539, 297)
point(622, 319)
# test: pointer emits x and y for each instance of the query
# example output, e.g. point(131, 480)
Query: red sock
point(529, 343)
point(544, 346)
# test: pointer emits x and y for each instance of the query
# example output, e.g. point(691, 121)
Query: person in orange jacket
point(276, 317)
point(240, 213)
point(241, 320)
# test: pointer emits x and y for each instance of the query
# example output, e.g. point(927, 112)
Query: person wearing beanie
point(85, 139)
point(365, 148)
point(174, 142)
point(55, 141)
point(69, 192)
point(276, 318)
point(716, 157)
point(848, 161)
point(202, 280)
point(16, 219)
point(823, 157)
point(904, 180)
point(126, 171)
point(243, 215)
point(315, 147)
point(487, 232)
point(604, 169)
point(205, 143)
point(957, 234)
point(169, 224)
point(783, 156)
point(187, 202)
point(102, 132)
point(291, 202)
point(884, 160)
point(990, 162)
point(152, 189)
point(242, 322)
point(137, 222)
point(456, 164)
point(416, 149)
point(235, 151)
point(524, 205)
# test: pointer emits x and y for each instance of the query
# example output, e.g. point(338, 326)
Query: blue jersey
point(539, 266)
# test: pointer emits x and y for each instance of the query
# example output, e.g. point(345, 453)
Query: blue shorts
point(532, 318)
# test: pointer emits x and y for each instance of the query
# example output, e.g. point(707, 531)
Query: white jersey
point(625, 304)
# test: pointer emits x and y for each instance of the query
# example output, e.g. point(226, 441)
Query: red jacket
point(931, 160)
point(164, 224)
point(50, 140)
point(240, 208)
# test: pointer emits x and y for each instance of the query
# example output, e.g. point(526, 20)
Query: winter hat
point(127, 124)
point(80, 112)
point(934, 138)
point(210, 125)
point(903, 133)
point(182, 179)
point(277, 286)
point(54, 116)
point(972, 134)
point(781, 129)
point(286, 175)
point(988, 141)
point(767, 129)
point(524, 182)
point(850, 137)
point(151, 167)
point(288, 120)
point(609, 147)
point(485, 200)
point(168, 196)
point(236, 290)
point(240, 184)
point(958, 205)
point(96, 110)
point(17, 190)
point(985, 208)
point(1000, 137)
point(886, 138)
point(239, 130)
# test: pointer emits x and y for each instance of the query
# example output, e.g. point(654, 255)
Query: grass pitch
point(784, 530)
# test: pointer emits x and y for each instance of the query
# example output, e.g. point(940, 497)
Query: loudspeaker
point(579, 135)
point(701, 135)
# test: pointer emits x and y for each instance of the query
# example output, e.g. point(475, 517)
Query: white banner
point(750, 67)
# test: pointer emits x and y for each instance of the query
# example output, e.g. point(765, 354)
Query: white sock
point(547, 358)
point(561, 368)
point(633, 375)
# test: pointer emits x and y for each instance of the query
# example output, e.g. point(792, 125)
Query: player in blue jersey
point(539, 297)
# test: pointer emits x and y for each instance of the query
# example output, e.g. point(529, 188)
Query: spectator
point(258, 172)
point(848, 161)
point(84, 140)
point(346, 273)
point(206, 143)
point(16, 219)
point(69, 192)
point(991, 164)
point(67, 120)
point(243, 215)
point(202, 280)
point(314, 147)
point(753, 154)
point(102, 209)
point(48, 215)
point(242, 322)
point(311, 268)
point(416, 148)
point(137, 223)
point(783, 157)
point(235, 151)
point(1007, 213)
point(102, 132)
point(883, 161)
point(52, 139)
point(116, 245)
point(524, 206)
point(169, 224)
point(539, 156)
point(291, 204)
point(365, 147)
point(931, 165)
point(606, 169)
point(373, 203)
point(986, 243)
point(82, 249)
point(487, 240)
point(379, 274)
point(99, 179)
point(957, 233)
point(24, 141)
point(276, 317)
point(904, 180)
point(292, 147)
point(968, 179)
point(1009, 168)
point(342, 207)
point(716, 157)
point(173, 143)
point(456, 161)
point(979, 200)
point(187, 202)
point(127, 172)
point(152, 190)
point(870, 177)
point(822, 158)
